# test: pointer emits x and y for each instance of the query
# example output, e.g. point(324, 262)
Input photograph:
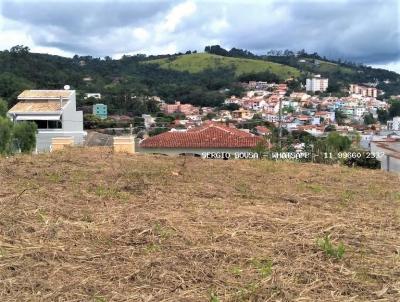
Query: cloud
point(365, 31)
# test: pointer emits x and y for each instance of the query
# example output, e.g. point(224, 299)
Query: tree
point(230, 107)
point(340, 116)
point(383, 115)
point(338, 142)
point(217, 50)
point(369, 119)
point(19, 50)
point(3, 108)
point(24, 134)
point(260, 148)
point(330, 128)
point(394, 109)
point(5, 135)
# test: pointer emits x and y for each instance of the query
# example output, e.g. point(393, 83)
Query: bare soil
point(90, 225)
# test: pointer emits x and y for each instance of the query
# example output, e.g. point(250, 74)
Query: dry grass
point(87, 225)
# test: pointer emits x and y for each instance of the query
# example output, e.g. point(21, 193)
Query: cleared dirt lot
point(88, 225)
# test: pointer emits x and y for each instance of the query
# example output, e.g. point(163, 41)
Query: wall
point(196, 151)
point(391, 159)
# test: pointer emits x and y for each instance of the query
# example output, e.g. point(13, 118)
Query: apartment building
point(363, 90)
point(316, 83)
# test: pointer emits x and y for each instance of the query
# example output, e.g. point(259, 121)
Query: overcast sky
point(366, 31)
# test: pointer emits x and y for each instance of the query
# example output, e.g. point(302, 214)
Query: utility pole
point(280, 125)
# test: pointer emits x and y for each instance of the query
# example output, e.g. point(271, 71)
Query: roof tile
point(209, 136)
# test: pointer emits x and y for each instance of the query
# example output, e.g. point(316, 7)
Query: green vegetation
point(369, 119)
point(330, 249)
point(3, 108)
point(264, 267)
point(5, 135)
point(202, 79)
point(24, 134)
point(13, 137)
point(199, 62)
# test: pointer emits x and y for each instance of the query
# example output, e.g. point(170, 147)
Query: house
point(388, 153)
point(148, 120)
point(53, 111)
point(242, 114)
point(262, 130)
point(97, 96)
point(186, 109)
point(210, 138)
point(394, 124)
point(100, 110)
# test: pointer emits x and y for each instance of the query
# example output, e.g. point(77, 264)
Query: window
point(48, 124)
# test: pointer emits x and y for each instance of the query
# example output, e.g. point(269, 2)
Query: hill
point(204, 79)
point(89, 225)
point(200, 62)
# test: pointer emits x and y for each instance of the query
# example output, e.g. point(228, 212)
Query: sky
point(364, 31)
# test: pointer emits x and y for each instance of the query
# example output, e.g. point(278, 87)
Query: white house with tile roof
point(54, 112)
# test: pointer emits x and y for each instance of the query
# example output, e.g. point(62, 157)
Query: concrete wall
point(44, 138)
point(194, 151)
point(390, 161)
point(72, 120)
point(124, 144)
point(59, 143)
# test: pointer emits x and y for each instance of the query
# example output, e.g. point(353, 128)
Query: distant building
point(363, 90)
point(242, 114)
point(100, 110)
point(186, 109)
point(53, 111)
point(148, 120)
point(97, 96)
point(389, 149)
point(212, 137)
point(316, 83)
point(394, 124)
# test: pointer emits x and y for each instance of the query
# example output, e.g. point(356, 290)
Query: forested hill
point(201, 79)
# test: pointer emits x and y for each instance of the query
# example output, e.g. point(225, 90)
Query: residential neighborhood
point(193, 130)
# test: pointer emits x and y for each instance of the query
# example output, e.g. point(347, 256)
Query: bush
point(365, 161)
point(327, 246)
point(3, 108)
point(24, 134)
point(5, 135)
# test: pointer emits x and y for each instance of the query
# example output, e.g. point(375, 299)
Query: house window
point(48, 124)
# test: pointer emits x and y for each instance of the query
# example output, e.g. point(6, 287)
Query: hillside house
point(53, 111)
point(211, 137)
point(100, 110)
point(242, 114)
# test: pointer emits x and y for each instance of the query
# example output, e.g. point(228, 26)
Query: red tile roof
point(262, 129)
point(213, 135)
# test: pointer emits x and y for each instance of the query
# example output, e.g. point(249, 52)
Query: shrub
point(3, 108)
point(331, 250)
point(24, 134)
point(5, 135)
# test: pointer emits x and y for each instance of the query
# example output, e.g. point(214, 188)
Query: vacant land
point(89, 225)
point(202, 61)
